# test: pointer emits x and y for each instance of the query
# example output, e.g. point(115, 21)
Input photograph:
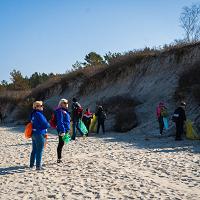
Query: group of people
point(178, 118)
point(62, 117)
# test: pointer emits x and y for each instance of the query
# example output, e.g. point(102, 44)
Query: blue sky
point(50, 35)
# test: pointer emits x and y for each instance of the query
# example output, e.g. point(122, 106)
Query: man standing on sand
point(101, 117)
point(179, 118)
point(76, 115)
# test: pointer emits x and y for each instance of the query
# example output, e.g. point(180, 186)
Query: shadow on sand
point(137, 138)
point(12, 170)
point(156, 143)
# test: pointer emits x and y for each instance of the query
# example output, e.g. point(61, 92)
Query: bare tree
point(190, 22)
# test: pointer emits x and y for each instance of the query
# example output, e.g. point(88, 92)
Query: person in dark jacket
point(63, 125)
point(76, 116)
point(101, 117)
point(40, 125)
point(87, 116)
point(179, 118)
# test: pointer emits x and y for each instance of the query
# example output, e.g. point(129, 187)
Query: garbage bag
point(166, 124)
point(191, 132)
point(66, 138)
point(83, 127)
point(93, 124)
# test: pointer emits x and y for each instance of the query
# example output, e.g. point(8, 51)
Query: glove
point(61, 134)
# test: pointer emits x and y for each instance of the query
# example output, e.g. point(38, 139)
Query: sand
point(111, 166)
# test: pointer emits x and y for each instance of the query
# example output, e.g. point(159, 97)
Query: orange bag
point(28, 130)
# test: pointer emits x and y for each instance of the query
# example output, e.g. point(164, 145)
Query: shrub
point(121, 66)
point(44, 90)
point(123, 109)
point(124, 64)
point(48, 112)
point(189, 82)
point(25, 109)
point(125, 120)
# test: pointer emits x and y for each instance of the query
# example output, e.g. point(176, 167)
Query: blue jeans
point(76, 126)
point(38, 141)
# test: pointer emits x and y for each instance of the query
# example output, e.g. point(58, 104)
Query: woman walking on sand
point(40, 125)
point(161, 112)
point(63, 125)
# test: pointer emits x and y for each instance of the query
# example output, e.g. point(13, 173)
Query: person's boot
point(40, 168)
point(59, 161)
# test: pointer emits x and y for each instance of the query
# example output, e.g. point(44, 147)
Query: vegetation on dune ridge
point(88, 76)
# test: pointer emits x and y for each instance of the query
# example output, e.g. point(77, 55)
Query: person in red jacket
point(87, 116)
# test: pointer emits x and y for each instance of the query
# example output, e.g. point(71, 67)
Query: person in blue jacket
point(40, 125)
point(63, 125)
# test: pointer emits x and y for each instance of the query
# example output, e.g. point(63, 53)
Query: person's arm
point(42, 120)
point(59, 120)
point(105, 116)
point(68, 121)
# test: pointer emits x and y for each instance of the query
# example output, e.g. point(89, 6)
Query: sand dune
point(114, 166)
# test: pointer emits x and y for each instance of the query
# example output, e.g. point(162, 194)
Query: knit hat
point(74, 99)
point(183, 103)
point(63, 101)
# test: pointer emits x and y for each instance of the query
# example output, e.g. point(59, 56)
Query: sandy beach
point(111, 166)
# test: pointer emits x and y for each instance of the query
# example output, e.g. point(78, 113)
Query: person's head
point(63, 103)
point(100, 108)
point(183, 104)
point(161, 104)
point(38, 105)
point(74, 100)
point(87, 109)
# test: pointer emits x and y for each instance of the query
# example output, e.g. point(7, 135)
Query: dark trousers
point(179, 130)
point(76, 125)
point(161, 124)
point(60, 146)
point(100, 123)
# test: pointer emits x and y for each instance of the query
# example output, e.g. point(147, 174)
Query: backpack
point(78, 110)
point(28, 130)
point(53, 122)
point(163, 112)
